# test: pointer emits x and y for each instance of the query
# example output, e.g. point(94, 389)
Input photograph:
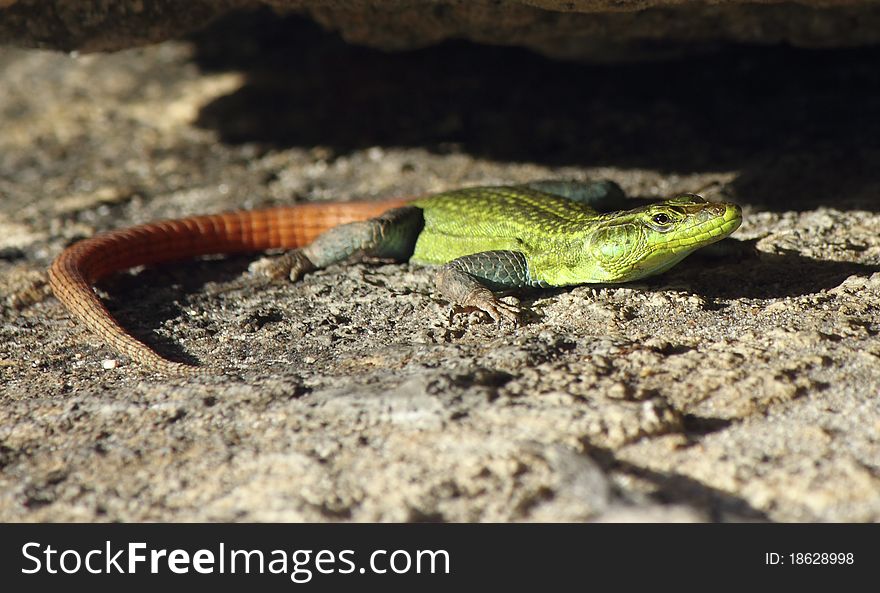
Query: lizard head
point(649, 240)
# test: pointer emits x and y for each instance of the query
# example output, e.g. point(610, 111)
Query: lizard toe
point(501, 312)
point(508, 312)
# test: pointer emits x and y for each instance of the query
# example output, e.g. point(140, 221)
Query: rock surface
point(738, 388)
point(599, 30)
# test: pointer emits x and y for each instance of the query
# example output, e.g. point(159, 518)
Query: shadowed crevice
point(802, 127)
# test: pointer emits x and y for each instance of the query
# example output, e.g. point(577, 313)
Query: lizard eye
point(662, 218)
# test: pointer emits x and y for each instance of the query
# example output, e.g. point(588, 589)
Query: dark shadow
point(677, 489)
point(700, 426)
point(803, 126)
point(763, 276)
point(142, 302)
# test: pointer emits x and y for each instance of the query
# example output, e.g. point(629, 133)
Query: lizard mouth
point(731, 220)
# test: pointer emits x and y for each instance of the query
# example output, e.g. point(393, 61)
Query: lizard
point(482, 239)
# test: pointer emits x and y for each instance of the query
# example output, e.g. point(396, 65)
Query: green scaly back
point(566, 242)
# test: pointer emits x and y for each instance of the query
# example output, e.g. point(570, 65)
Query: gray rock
point(602, 30)
point(743, 387)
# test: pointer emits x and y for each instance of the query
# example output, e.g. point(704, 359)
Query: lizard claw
point(502, 311)
point(499, 311)
point(293, 265)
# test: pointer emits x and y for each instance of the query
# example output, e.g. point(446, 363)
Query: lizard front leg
point(391, 235)
point(468, 281)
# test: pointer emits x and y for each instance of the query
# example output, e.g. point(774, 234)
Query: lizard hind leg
point(391, 235)
point(468, 281)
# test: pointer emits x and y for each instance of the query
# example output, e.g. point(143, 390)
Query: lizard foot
point(293, 264)
point(499, 311)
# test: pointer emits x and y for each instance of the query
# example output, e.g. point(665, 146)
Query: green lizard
point(484, 239)
point(540, 234)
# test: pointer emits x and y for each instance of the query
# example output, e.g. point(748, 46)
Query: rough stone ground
point(739, 388)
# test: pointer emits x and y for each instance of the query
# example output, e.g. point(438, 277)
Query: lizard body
point(483, 239)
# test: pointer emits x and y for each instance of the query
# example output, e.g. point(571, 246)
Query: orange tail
point(82, 264)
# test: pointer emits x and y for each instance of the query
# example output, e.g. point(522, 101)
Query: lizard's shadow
point(761, 275)
point(144, 301)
